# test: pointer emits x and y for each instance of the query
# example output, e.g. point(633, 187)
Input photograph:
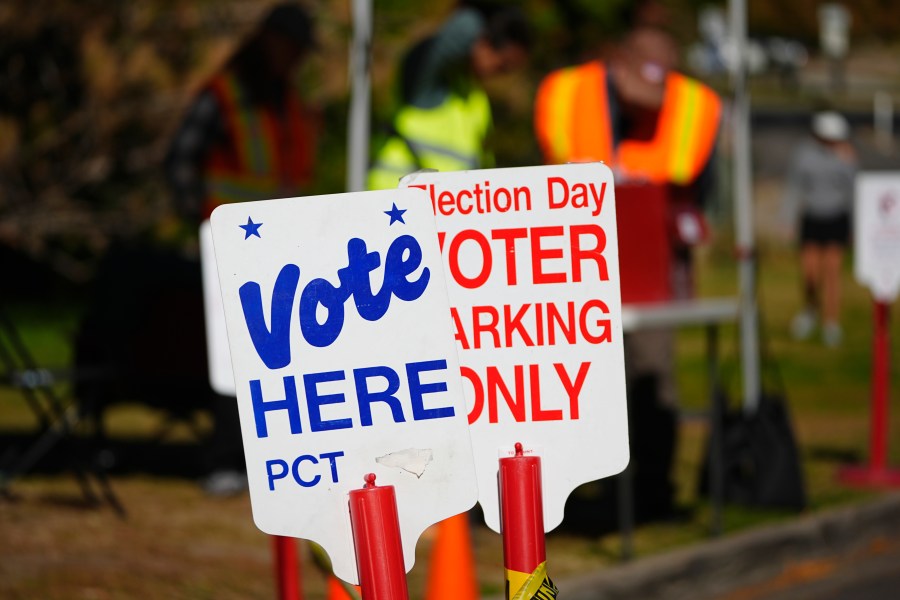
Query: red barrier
point(287, 570)
point(877, 473)
point(376, 537)
point(522, 525)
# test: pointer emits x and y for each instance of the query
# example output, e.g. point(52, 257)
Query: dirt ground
point(176, 542)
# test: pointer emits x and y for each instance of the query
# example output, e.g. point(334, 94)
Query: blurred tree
point(90, 91)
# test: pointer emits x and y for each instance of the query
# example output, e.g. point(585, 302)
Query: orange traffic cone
point(337, 590)
point(451, 574)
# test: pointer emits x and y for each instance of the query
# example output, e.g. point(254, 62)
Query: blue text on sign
point(404, 256)
point(294, 469)
point(373, 385)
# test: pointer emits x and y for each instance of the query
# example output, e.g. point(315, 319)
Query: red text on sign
point(520, 394)
point(532, 324)
point(558, 254)
point(480, 199)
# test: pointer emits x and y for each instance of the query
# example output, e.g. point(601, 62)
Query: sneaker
point(803, 324)
point(224, 482)
point(832, 335)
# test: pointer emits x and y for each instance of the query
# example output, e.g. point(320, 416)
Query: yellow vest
point(449, 137)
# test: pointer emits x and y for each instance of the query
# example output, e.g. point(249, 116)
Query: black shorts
point(820, 231)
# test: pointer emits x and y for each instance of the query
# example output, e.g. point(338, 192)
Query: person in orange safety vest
point(654, 125)
point(247, 135)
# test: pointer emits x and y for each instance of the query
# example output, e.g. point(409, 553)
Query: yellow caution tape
point(526, 586)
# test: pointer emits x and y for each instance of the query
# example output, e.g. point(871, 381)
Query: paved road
point(870, 574)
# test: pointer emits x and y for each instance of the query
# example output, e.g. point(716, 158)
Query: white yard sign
point(344, 363)
point(531, 257)
point(218, 358)
point(877, 233)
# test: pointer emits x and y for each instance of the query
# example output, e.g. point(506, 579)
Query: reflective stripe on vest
point(572, 125)
point(449, 137)
point(269, 155)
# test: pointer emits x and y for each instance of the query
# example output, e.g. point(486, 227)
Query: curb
point(718, 566)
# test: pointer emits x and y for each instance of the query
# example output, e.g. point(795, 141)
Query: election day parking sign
point(531, 257)
point(344, 363)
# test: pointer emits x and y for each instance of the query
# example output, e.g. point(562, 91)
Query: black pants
point(653, 430)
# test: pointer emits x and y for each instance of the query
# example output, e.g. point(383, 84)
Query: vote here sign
point(531, 257)
point(344, 363)
point(877, 233)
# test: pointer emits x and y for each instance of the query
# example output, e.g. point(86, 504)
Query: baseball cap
point(831, 126)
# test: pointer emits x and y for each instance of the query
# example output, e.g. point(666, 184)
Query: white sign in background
point(218, 357)
point(877, 233)
point(335, 381)
point(531, 258)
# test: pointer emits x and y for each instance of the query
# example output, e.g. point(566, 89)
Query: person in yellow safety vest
point(445, 116)
point(247, 135)
point(649, 124)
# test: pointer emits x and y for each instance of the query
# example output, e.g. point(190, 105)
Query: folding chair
point(57, 417)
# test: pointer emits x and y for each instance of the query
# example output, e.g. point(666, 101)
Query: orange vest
point(266, 154)
point(573, 125)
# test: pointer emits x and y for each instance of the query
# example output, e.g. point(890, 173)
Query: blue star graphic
point(251, 228)
point(395, 214)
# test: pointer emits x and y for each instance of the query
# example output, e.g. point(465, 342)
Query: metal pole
point(716, 426)
point(361, 92)
point(743, 191)
point(883, 114)
point(625, 499)
point(880, 383)
point(877, 474)
point(287, 571)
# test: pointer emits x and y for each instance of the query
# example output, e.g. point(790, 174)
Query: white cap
point(831, 126)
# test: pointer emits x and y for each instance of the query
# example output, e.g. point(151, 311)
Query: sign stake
point(287, 570)
point(376, 538)
point(522, 526)
point(877, 473)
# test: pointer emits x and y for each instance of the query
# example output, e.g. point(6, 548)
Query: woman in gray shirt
point(819, 196)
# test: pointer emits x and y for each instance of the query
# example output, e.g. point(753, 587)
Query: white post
point(834, 39)
point(743, 199)
point(361, 92)
point(883, 114)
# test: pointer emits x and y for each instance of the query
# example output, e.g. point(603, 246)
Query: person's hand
point(846, 152)
point(636, 89)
